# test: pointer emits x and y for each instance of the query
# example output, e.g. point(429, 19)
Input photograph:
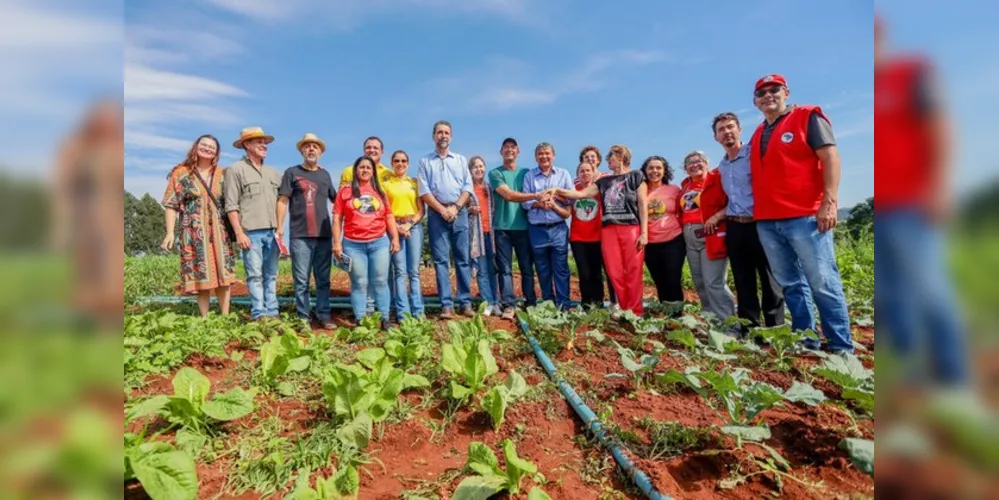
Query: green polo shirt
point(507, 215)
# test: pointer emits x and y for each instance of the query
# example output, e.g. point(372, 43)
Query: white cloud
point(349, 14)
point(144, 140)
point(143, 113)
point(24, 27)
point(145, 83)
point(514, 92)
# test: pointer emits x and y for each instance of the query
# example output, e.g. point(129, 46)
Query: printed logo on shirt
point(585, 210)
point(787, 137)
point(367, 204)
point(614, 197)
point(691, 200)
point(657, 209)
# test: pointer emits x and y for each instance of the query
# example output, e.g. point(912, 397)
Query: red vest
point(713, 199)
point(902, 145)
point(787, 181)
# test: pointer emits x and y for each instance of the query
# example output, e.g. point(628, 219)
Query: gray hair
point(696, 154)
point(471, 161)
point(544, 145)
point(438, 123)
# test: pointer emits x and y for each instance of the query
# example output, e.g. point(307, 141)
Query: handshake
point(547, 199)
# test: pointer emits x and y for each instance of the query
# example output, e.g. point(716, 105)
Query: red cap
point(774, 79)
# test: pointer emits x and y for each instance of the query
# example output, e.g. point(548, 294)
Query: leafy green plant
point(281, 355)
point(410, 343)
point(491, 479)
point(638, 366)
point(343, 484)
point(856, 382)
point(469, 362)
point(547, 324)
point(499, 397)
point(164, 472)
point(190, 408)
point(783, 341)
point(366, 330)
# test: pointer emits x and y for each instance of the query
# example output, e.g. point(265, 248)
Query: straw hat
point(310, 137)
point(251, 133)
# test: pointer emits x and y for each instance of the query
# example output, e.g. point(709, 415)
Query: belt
point(740, 218)
point(405, 219)
point(548, 225)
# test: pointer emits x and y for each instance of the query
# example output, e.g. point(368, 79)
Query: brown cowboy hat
point(251, 133)
point(310, 137)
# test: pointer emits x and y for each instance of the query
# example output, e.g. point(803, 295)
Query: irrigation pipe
point(639, 478)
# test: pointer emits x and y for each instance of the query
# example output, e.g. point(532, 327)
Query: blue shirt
point(535, 182)
point(738, 183)
point(445, 178)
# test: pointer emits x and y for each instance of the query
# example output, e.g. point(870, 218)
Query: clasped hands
point(547, 199)
point(450, 213)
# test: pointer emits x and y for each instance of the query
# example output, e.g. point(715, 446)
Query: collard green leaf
point(515, 384)
point(746, 433)
point(370, 357)
point(537, 493)
point(346, 481)
point(166, 476)
point(148, 407)
point(494, 402)
point(191, 385)
point(230, 405)
point(479, 487)
point(298, 364)
point(482, 460)
point(357, 432)
point(411, 381)
point(516, 467)
point(804, 393)
point(861, 453)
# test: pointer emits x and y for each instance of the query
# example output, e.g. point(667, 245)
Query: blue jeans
point(913, 295)
point(485, 271)
point(803, 261)
point(312, 257)
point(261, 263)
point(506, 243)
point(550, 246)
point(369, 264)
point(444, 238)
point(406, 266)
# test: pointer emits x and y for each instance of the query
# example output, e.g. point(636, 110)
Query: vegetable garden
point(225, 407)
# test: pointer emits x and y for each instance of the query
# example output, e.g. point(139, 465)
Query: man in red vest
point(795, 169)
point(913, 295)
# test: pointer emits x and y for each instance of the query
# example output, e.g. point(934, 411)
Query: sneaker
point(468, 310)
point(488, 311)
point(328, 324)
point(509, 313)
point(447, 313)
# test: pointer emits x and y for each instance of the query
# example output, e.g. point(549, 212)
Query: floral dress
point(207, 259)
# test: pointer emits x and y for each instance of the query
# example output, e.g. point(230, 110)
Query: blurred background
point(68, 223)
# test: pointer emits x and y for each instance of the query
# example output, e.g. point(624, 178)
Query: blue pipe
point(629, 468)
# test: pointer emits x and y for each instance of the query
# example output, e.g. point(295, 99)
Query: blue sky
point(567, 72)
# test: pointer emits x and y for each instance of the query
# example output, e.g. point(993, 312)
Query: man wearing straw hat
point(251, 190)
point(308, 188)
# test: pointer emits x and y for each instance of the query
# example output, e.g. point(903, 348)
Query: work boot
point(447, 313)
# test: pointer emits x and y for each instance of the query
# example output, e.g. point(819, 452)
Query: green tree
point(861, 218)
point(144, 225)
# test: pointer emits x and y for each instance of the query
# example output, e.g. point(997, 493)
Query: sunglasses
point(400, 160)
point(774, 89)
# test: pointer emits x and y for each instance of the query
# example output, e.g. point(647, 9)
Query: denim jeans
point(914, 297)
point(406, 269)
point(261, 263)
point(507, 242)
point(803, 261)
point(485, 271)
point(444, 238)
point(369, 264)
point(551, 257)
point(312, 257)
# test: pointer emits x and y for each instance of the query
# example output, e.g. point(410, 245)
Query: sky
point(571, 73)
point(645, 73)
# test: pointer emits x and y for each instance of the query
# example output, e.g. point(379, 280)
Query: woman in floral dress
point(207, 261)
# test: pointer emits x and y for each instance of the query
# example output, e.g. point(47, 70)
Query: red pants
point(624, 264)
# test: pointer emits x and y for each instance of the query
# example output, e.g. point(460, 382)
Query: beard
point(443, 144)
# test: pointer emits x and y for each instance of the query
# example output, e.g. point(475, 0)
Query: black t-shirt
point(309, 193)
point(619, 197)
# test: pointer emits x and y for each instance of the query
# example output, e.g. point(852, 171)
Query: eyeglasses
point(773, 89)
point(400, 160)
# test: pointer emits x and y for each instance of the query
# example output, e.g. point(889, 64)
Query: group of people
point(768, 208)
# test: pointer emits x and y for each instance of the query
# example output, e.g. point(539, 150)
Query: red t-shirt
point(586, 215)
point(664, 222)
point(365, 217)
point(690, 202)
